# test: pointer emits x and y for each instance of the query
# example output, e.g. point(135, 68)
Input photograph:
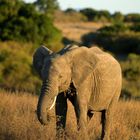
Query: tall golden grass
point(18, 120)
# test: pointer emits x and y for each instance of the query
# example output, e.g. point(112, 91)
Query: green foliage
point(105, 16)
point(70, 10)
point(131, 74)
point(95, 15)
point(117, 18)
point(23, 23)
point(118, 38)
point(135, 27)
point(89, 13)
point(9, 8)
point(113, 29)
point(47, 6)
point(134, 18)
point(16, 72)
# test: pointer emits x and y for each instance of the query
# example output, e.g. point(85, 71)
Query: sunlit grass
point(18, 120)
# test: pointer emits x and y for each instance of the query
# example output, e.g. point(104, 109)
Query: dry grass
point(75, 30)
point(18, 120)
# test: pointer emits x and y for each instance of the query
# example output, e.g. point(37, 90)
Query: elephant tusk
point(53, 103)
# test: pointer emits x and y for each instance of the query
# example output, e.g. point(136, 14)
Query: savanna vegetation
point(25, 26)
point(23, 22)
point(18, 120)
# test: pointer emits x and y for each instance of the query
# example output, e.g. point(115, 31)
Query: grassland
point(18, 120)
point(74, 31)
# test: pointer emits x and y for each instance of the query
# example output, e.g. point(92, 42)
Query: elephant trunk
point(46, 101)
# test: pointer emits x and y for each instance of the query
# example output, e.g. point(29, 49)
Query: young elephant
point(90, 78)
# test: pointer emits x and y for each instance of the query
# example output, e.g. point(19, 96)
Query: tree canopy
point(22, 22)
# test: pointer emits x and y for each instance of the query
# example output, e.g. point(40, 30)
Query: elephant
point(89, 77)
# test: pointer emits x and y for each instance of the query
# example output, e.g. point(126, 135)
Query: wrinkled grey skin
point(92, 76)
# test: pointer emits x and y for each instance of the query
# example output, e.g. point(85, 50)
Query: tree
point(89, 13)
point(47, 6)
point(9, 8)
point(94, 15)
point(70, 10)
point(22, 22)
point(118, 17)
point(135, 18)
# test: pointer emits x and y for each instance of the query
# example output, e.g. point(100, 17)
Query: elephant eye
point(60, 76)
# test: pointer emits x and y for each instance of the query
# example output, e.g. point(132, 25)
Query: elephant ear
point(83, 61)
point(38, 58)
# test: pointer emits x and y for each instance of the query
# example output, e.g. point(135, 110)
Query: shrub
point(134, 18)
point(117, 17)
point(89, 13)
point(94, 15)
point(131, 74)
point(24, 23)
point(16, 72)
point(135, 27)
point(117, 38)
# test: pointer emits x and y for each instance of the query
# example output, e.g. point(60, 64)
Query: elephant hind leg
point(107, 115)
point(106, 120)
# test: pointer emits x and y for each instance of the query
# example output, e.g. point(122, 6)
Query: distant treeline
point(105, 16)
point(33, 22)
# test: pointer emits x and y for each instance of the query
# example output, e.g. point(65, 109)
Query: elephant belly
point(106, 82)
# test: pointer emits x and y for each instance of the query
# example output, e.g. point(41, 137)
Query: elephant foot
point(106, 138)
point(60, 134)
point(83, 135)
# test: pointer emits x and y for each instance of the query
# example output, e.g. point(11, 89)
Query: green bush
point(118, 38)
point(131, 74)
point(113, 29)
point(89, 13)
point(117, 18)
point(135, 27)
point(16, 72)
point(134, 18)
point(94, 15)
point(24, 23)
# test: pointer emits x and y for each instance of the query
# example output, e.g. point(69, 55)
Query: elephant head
point(55, 72)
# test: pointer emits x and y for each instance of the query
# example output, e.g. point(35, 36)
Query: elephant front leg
point(73, 100)
point(83, 119)
point(106, 122)
point(61, 112)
